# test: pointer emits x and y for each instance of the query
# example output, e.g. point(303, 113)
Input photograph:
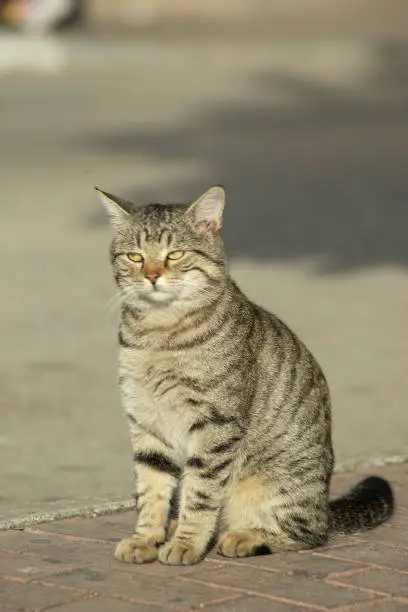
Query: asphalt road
point(311, 143)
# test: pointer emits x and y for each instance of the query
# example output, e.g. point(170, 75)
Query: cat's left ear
point(206, 212)
point(118, 210)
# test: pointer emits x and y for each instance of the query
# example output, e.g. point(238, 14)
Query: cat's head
point(171, 254)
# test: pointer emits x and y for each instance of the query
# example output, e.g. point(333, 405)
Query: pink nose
point(153, 276)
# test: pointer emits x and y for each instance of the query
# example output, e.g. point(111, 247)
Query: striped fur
point(228, 410)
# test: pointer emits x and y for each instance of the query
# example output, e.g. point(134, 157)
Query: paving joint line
point(254, 593)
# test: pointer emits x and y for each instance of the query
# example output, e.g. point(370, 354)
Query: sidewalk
point(67, 566)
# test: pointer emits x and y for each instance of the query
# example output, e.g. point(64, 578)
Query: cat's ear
point(118, 210)
point(206, 212)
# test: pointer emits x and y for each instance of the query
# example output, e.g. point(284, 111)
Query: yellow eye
point(175, 255)
point(135, 257)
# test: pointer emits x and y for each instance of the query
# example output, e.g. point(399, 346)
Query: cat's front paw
point(176, 552)
point(136, 550)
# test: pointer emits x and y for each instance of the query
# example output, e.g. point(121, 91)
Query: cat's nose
point(153, 276)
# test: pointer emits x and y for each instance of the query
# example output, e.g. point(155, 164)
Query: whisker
point(115, 302)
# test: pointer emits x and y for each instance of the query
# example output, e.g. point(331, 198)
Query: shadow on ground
point(322, 177)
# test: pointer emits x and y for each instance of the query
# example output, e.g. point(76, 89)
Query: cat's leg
point(171, 529)
point(156, 474)
point(212, 450)
point(264, 517)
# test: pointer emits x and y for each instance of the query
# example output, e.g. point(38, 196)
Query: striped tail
point(366, 505)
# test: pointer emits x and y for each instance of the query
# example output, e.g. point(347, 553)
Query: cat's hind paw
point(242, 543)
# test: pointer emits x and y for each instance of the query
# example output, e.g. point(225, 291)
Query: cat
point(227, 409)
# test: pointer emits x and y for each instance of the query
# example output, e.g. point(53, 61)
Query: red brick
point(380, 605)
point(104, 604)
point(160, 570)
point(305, 565)
point(278, 585)
point(380, 580)
point(377, 554)
point(399, 521)
point(143, 587)
point(389, 535)
point(254, 604)
point(22, 595)
point(337, 540)
point(110, 528)
point(27, 566)
point(21, 541)
point(54, 549)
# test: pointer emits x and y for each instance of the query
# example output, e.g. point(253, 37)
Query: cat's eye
point(175, 255)
point(137, 257)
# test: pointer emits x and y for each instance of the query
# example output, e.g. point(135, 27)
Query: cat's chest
point(157, 396)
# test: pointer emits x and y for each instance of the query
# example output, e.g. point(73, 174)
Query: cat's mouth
point(158, 295)
point(155, 294)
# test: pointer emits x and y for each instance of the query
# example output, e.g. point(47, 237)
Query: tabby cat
point(228, 410)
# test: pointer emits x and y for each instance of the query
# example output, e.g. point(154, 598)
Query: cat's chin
point(158, 297)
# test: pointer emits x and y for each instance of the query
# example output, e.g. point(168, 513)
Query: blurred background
point(298, 107)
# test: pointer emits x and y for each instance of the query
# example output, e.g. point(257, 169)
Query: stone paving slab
point(68, 566)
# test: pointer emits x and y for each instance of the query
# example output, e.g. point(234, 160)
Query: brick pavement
point(67, 566)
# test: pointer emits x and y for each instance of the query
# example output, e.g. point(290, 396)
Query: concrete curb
point(367, 464)
point(87, 511)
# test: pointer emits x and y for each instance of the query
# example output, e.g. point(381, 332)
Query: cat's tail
point(366, 505)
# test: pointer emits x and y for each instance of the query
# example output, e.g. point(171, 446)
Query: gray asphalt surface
point(311, 143)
